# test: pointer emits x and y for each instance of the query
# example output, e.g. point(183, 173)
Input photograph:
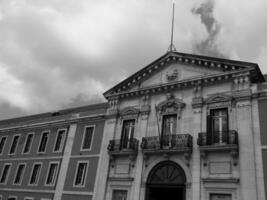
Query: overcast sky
point(63, 53)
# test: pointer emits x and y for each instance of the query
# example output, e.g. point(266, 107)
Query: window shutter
point(209, 130)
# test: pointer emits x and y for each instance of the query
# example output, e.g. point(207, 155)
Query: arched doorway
point(166, 181)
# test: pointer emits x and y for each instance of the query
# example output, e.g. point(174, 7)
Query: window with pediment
point(127, 133)
point(218, 107)
point(218, 128)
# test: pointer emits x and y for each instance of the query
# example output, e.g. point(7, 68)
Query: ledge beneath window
point(186, 151)
point(232, 148)
point(220, 180)
point(124, 152)
point(128, 179)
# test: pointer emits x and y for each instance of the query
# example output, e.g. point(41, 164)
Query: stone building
point(185, 126)
point(51, 155)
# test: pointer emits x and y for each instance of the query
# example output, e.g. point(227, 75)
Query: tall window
point(52, 174)
point(127, 133)
point(87, 138)
point(2, 144)
point(119, 195)
point(43, 142)
point(35, 173)
point(60, 140)
point(19, 174)
point(14, 144)
point(5, 173)
point(81, 174)
point(169, 124)
point(219, 125)
point(28, 143)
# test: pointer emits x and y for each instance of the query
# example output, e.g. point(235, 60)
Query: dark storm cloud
point(208, 46)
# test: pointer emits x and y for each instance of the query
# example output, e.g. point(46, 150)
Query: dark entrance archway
point(166, 181)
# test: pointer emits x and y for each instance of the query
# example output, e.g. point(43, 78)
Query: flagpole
point(172, 47)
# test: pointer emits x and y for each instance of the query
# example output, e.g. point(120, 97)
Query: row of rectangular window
point(79, 181)
point(58, 146)
point(29, 140)
point(217, 123)
point(36, 171)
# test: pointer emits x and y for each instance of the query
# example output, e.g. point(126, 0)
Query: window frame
point(123, 132)
point(3, 148)
point(212, 118)
point(56, 173)
point(24, 146)
point(22, 175)
point(76, 173)
point(37, 181)
point(7, 176)
point(10, 154)
point(62, 142)
point(92, 139)
point(42, 133)
point(164, 117)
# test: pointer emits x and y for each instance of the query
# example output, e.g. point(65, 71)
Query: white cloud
point(56, 53)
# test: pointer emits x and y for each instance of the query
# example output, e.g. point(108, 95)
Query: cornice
point(182, 84)
point(62, 122)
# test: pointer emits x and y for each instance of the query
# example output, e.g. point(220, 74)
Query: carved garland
point(170, 106)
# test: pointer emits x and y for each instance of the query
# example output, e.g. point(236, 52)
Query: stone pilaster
point(100, 191)
point(142, 128)
point(65, 162)
point(196, 162)
point(246, 150)
point(258, 150)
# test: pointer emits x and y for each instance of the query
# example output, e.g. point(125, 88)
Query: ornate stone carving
point(241, 81)
point(219, 101)
point(129, 113)
point(173, 75)
point(218, 98)
point(171, 106)
point(197, 102)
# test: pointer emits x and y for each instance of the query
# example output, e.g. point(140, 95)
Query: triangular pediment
point(175, 66)
point(177, 72)
point(218, 98)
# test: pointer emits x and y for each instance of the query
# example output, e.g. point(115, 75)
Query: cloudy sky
point(63, 53)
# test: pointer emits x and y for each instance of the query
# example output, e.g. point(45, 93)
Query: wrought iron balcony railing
point(167, 144)
point(218, 141)
point(218, 138)
point(123, 146)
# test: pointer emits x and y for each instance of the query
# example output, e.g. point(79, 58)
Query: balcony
point(123, 147)
point(218, 141)
point(168, 144)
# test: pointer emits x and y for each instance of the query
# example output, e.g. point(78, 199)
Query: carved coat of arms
point(173, 75)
